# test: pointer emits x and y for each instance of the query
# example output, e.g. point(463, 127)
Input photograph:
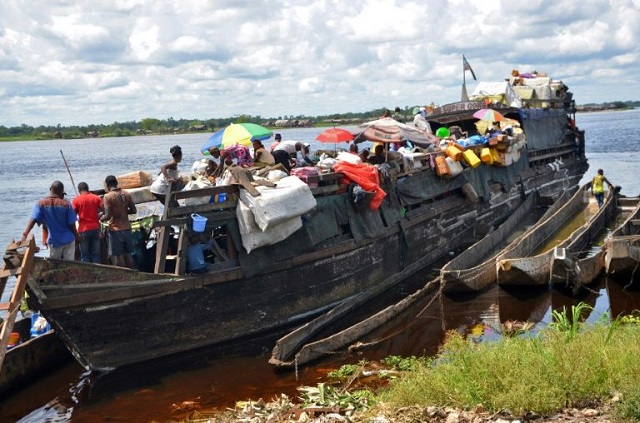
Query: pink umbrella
point(489, 115)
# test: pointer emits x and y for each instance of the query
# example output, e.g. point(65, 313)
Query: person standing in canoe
point(57, 214)
point(597, 186)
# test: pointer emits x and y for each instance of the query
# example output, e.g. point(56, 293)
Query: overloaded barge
point(285, 254)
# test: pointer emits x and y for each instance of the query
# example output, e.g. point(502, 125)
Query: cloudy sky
point(99, 61)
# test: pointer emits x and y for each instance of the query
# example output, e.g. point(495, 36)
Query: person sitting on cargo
point(261, 157)
point(378, 155)
point(168, 174)
point(597, 186)
point(420, 120)
point(215, 155)
point(353, 148)
point(239, 154)
point(364, 155)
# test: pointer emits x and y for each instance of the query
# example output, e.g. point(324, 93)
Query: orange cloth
point(366, 176)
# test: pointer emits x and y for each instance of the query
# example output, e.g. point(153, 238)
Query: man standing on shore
point(118, 205)
point(88, 206)
point(58, 216)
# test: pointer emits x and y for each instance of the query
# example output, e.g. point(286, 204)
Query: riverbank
point(568, 372)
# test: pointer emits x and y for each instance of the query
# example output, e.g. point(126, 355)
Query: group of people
point(58, 217)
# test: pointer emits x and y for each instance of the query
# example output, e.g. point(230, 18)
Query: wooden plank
point(17, 294)
point(181, 262)
point(202, 208)
point(207, 192)
point(5, 273)
point(163, 235)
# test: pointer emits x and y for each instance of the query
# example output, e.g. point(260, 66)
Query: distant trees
point(151, 125)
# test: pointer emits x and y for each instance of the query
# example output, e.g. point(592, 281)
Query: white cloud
point(102, 61)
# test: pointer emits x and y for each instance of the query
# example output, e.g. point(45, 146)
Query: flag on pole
point(467, 67)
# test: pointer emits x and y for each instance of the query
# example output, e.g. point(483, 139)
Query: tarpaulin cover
point(544, 127)
point(427, 185)
point(366, 176)
point(290, 198)
point(253, 237)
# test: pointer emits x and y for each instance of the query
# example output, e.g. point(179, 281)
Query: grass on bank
point(565, 365)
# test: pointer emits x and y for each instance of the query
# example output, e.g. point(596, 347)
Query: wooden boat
point(521, 265)
point(622, 256)
point(31, 358)
point(475, 269)
point(111, 317)
point(581, 261)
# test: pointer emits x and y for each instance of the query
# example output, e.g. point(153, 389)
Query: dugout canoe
point(475, 269)
point(622, 255)
point(522, 264)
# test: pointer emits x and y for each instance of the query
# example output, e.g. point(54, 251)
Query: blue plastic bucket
point(199, 222)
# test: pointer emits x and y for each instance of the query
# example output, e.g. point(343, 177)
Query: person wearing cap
point(420, 120)
point(118, 205)
point(88, 207)
point(57, 215)
point(287, 150)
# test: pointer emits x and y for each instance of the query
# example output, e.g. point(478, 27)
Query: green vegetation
point(566, 365)
point(150, 125)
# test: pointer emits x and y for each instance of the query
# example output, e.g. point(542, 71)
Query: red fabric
point(87, 205)
point(366, 176)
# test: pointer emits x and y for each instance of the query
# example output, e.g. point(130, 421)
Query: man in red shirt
point(118, 205)
point(87, 206)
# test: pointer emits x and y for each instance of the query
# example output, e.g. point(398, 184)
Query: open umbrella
point(489, 115)
point(236, 133)
point(390, 130)
point(334, 135)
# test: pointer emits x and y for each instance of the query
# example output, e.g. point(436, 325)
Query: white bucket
point(199, 222)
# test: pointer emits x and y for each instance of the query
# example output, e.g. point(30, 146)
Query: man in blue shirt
point(58, 216)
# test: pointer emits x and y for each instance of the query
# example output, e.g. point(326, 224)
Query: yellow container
point(485, 156)
point(454, 151)
point(441, 166)
point(471, 158)
point(495, 155)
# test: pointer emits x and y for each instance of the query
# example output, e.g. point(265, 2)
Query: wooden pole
point(69, 171)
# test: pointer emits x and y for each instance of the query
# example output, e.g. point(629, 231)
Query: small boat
point(30, 359)
point(529, 261)
point(577, 264)
point(622, 256)
point(475, 269)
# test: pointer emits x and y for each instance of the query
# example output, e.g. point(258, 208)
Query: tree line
point(149, 125)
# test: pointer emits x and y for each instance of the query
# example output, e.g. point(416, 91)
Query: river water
point(158, 391)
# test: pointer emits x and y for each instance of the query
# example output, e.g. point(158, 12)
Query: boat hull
point(31, 359)
point(518, 267)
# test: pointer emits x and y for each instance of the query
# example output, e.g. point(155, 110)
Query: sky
point(78, 62)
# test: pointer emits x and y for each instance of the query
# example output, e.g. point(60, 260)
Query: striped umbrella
point(236, 133)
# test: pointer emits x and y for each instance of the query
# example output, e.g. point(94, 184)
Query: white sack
point(197, 184)
point(253, 237)
point(290, 198)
